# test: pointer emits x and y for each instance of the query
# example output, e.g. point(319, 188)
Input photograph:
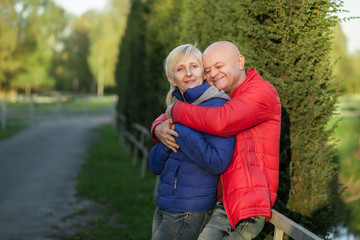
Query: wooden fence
point(282, 224)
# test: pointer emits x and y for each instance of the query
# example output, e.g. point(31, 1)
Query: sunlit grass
point(347, 133)
point(24, 111)
point(109, 178)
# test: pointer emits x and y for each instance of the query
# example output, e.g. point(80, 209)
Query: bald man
point(248, 188)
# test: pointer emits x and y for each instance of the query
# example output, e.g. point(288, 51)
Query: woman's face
point(188, 73)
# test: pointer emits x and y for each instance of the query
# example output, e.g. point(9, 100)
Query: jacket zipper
point(176, 178)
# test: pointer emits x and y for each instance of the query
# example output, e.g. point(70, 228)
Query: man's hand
point(168, 110)
point(165, 133)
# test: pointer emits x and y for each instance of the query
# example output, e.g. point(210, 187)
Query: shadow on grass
point(108, 178)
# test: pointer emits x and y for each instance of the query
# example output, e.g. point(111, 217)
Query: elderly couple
point(217, 150)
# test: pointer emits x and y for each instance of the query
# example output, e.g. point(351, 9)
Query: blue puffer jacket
point(189, 178)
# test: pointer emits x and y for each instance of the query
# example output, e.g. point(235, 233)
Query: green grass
point(13, 126)
point(18, 113)
point(347, 133)
point(109, 178)
point(348, 156)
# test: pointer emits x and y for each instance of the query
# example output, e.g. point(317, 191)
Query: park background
point(297, 45)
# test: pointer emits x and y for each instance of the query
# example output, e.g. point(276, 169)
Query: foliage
point(160, 40)
point(348, 149)
point(130, 64)
point(289, 44)
point(8, 39)
point(346, 70)
point(70, 67)
point(105, 37)
point(109, 178)
point(35, 42)
point(293, 42)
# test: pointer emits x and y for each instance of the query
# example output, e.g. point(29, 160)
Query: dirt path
point(38, 168)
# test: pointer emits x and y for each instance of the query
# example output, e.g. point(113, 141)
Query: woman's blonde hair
point(185, 50)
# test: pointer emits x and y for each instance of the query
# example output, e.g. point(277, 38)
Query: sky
point(351, 28)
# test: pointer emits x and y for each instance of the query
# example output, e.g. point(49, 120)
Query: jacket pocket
point(248, 175)
point(176, 178)
point(247, 170)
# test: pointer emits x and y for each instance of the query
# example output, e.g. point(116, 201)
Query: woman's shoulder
point(213, 102)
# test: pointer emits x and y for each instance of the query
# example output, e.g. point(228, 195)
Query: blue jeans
point(178, 225)
point(219, 227)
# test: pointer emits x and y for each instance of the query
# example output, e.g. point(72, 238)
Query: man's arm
point(162, 118)
point(243, 111)
point(161, 130)
point(212, 153)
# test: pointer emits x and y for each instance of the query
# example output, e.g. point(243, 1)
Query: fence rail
point(282, 224)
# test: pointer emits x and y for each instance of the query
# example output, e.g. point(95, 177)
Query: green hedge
point(288, 42)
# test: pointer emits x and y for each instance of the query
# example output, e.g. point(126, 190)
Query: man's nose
point(213, 72)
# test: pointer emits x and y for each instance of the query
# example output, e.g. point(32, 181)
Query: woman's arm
point(209, 152)
point(157, 158)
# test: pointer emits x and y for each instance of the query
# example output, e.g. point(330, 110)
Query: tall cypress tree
point(162, 35)
point(129, 73)
point(289, 43)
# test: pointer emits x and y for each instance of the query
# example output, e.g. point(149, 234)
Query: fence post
point(121, 126)
point(143, 164)
point(32, 110)
point(58, 104)
point(85, 104)
point(135, 154)
point(3, 113)
point(156, 185)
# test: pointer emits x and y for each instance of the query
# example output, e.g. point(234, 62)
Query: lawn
point(25, 110)
point(109, 178)
point(347, 134)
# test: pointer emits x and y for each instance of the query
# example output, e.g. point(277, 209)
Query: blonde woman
point(187, 188)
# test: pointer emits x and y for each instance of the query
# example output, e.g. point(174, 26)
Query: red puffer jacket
point(253, 114)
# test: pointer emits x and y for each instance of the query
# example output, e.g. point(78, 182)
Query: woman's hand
point(165, 133)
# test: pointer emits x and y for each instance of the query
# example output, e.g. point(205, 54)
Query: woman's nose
point(188, 72)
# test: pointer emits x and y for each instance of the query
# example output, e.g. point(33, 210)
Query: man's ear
point(171, 81)
point(241, 62)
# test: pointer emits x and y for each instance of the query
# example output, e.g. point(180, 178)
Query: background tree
point(39, 24)
point(70, 67)
point(130, 64)
point(160, 40)
point(346, 70)
point(105, 36)
point(8, 41)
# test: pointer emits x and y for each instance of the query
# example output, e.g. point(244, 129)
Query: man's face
point(221, 67)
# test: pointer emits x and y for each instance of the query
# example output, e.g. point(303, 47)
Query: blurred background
point(56, 51)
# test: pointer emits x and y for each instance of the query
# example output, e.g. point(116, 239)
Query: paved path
point(38, 168)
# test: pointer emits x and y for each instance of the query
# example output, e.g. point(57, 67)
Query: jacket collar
point(191, 94)
point(251, 74)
